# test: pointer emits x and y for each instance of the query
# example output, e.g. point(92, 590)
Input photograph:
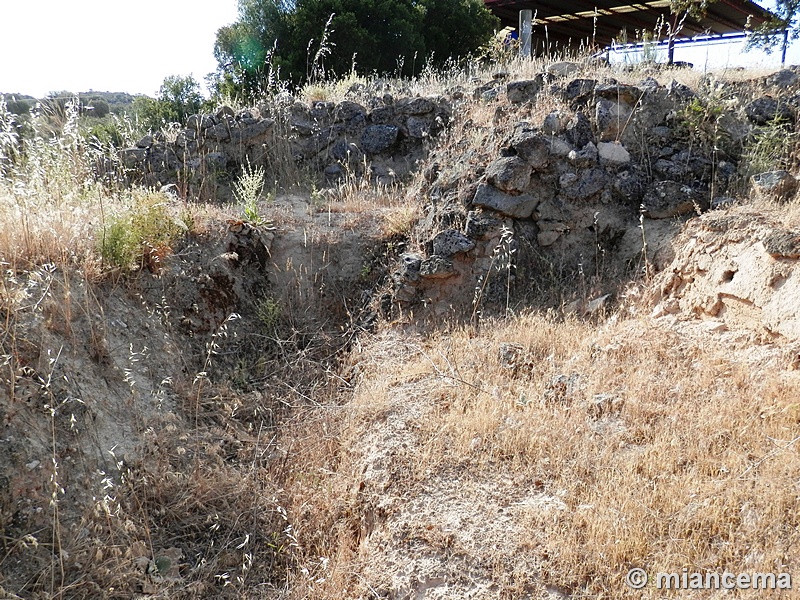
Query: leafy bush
point(142, 236)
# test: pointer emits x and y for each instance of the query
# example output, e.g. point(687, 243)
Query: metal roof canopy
point(600, 22)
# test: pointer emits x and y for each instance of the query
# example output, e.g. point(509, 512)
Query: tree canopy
point(783, 27)
point(312, 39)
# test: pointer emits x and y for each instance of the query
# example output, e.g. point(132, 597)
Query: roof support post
point(525, 30)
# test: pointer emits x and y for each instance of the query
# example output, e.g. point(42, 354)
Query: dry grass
point(658, 450)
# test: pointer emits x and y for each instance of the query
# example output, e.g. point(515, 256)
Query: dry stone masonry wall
point(572, 188)
point(382, 139)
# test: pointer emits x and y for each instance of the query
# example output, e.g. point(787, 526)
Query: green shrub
point(140, 237)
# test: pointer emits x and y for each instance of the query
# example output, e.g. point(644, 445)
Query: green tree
point(99, 108)
point(180, 96)
point(779, 30)
point(312, 39)
point(245, 49)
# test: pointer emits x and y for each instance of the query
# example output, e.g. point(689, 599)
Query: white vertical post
point(525, 29)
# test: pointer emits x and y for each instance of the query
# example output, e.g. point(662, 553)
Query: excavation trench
point(143, 450)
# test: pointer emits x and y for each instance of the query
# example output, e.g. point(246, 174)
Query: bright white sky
point(115, 46)
point(107, 45)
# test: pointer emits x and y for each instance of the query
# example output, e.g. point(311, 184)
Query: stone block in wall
point(531, 147)
point(450, 242)
point(667, 199)
point(379, 138)
point(252, 132)
point(524, 91)
point(611, 118)
point(132, 157)
point(520, 206)
point(579, 131)
point(584, 184)
point(510, 174)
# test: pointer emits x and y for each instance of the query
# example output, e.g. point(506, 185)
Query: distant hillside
point(103, 102)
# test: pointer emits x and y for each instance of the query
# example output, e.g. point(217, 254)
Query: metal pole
point(525, 29)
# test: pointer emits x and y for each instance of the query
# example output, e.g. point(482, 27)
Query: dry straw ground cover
point(621, 445)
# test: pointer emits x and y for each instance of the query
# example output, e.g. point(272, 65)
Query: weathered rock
point(520, 206)
point(217, 161)
point(783, 78)
point(417, 106)
point(780, 185)
point(648, 85)
point(224, 112)
point(579, 89)
point(628, 187)
point(531, 147)
point(419, 127)
point(255, 132)
point(562, 69)
point(381, 116)
point(145, 142)
point(613, 154)
point(436, 267)
point(583, 185)
point(411, 264)
point(489, 88)
point(379, 138)
point(132, 157)
point(185, 136)
point(219, 133)
point(585, 157)
point(322, 110)
point(548, 238)
point(347, 111)
point(722, 202)
point(480, 225)
point(783, 244)
point(618, 92)
point(611, 118)
point(346, 152)
point(555, 123)
point(510, 174)
point(667, 199)
point(579, 131)
point(558, 148)
point(523, 91)
point(767, 109)
point(451, 242)
point(679, 91)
